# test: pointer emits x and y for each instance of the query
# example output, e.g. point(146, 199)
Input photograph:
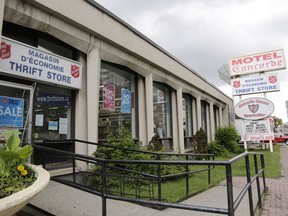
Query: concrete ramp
point(62, 200)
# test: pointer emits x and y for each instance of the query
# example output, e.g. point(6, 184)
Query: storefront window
point(116, 102)
point(52, 113)
point(162, 110)
point(15, 111)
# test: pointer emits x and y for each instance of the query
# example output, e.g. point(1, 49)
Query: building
point(72, 69)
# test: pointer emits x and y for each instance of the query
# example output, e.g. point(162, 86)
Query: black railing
point(157, 179)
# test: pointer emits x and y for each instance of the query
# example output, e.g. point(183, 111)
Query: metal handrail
point(231, 204)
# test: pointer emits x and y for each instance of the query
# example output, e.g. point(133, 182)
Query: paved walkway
point(276, 200)
point(62, 200)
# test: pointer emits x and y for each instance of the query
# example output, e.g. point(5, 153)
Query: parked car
point(280, 138)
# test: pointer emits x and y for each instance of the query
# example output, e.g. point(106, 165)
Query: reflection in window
point(162, 110)
point(116, 100)
point(216, 117)
point(187, 115)
point(204, 115)
point(187, 121)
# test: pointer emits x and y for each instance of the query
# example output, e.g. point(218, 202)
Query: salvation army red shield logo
point(253, 108)
point(75, 71)
point(5, 51)
point(236, 83)
point(272, 79)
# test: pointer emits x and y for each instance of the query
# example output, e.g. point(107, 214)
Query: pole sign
point(255, 84)
point(19, 59)
point(254, 108)
point(11, 112)
point(260, 62)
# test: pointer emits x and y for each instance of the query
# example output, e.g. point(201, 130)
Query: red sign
point(109, 96)
point(236, 84)
point(75, 71)
point(272, 79)
point(5, 51)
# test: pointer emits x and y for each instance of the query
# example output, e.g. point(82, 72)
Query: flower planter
point(11, 204)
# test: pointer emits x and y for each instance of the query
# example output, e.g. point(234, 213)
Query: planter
point(15, 202)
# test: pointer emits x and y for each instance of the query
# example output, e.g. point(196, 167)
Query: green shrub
point(227, 137)
point(122, 138)
point(200, 139)
point(217, 149)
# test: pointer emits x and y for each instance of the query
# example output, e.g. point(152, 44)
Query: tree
point(277, 122)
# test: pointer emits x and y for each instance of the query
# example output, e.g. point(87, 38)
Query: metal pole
point(73, 161)
point(257, 181)
point(229, 190)
point(209, 172)
point(104, 204)
point(159, 178)
point(249, 182)
point(263, 173)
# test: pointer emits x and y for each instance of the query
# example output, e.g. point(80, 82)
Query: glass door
point(16, 109)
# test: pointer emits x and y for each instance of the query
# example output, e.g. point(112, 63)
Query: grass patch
point(199, 181)
point(271, 159)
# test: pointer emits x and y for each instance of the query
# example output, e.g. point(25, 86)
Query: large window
point(162, 113)
point(117, 100)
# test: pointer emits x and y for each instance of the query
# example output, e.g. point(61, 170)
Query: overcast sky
point(204, 34)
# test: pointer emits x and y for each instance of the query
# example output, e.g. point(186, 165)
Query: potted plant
point(19, 181)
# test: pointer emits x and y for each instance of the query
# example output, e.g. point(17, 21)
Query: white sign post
point(256, 108)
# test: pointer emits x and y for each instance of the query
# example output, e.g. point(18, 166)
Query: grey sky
point(204, 34)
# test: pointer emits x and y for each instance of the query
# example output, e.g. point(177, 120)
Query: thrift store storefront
point(64, 75)
point(37, 88)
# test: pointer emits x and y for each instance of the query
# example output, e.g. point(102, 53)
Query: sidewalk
point(62, 200)
point(276, 200)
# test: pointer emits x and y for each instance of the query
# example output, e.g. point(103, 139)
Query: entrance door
point(16, 109)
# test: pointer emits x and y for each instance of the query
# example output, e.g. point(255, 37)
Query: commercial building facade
point(77, 71)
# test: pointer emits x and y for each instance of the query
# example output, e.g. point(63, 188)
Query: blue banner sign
point(11, 112)
point(125, 100)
